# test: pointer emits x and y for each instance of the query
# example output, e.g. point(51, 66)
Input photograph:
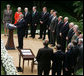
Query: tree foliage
point(79, 8)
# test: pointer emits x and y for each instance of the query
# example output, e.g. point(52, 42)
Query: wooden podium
point(10, 43)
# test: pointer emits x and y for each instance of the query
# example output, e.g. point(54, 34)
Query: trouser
point(57, 69)
point(63, 43)
point(20, 41)
point(44, 69)
point(34, 31)
point(52, 37)
point(49, 35)
point(67, 72)
point(58, 40)
point(31, 30)
point(68, 41)
point(26, 31)
point(42, 30)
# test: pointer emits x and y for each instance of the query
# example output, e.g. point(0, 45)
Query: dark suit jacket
point(64, 30)
point(68, 59)
point(35, 18)
point(44, 18)
point(21, 27)
point(59, 26)
point(27, 18)
point(58, 57)
point(44, 56)
point(79, 59)
point(71, 57)
point(70, 34)
point(53, 24)
point(75, 53)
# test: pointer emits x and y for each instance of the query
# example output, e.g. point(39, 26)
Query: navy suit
point(43, 27)
point(69, 35)
point(59, 26)
point(58, 58)
point(35, 20)
point(64, 31)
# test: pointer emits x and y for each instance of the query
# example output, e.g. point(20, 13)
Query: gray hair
point(76, 26)
point(26, 8)
point(19, 8)
point(35, 7)
point(60, 17)
point(66, 18)
point(8, 5)
point(80, 40)
point(71, 23)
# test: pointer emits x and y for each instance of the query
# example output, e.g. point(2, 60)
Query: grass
point(2, 71)
point(79, 72)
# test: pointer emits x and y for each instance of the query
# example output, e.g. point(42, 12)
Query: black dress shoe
point(25, 36)
point(17, 47)
point(20, 47)
point(33, 37)
point(39, 38)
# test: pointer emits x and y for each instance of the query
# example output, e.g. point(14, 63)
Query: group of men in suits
point(57, 61)
point(59, 30)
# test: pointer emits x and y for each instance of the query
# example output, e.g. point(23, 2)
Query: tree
point(78, 9)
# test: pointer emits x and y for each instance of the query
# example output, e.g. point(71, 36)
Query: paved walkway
point(33, 44)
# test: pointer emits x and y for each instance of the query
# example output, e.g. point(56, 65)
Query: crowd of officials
point(66, 36)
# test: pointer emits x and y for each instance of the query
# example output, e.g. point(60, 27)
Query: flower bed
point(7, 62)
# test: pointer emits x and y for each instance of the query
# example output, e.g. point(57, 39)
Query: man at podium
point(20, 31)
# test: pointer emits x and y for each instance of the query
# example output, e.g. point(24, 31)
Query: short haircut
point(66, 18)
point(80, 40)
point(35, 7)
point(76, 26)
point(53, 10)
point(45, 42)
point(19, 8)
point(8, 5)
point(71, 23)
point(45, 8)
point(61, 17)
point(26, 8)
point(58, 46)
